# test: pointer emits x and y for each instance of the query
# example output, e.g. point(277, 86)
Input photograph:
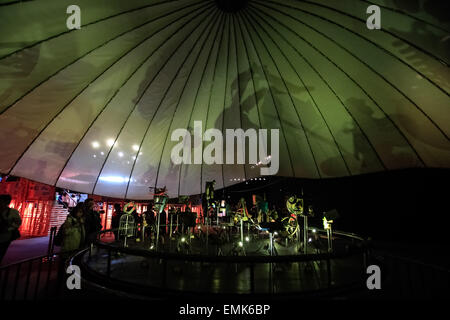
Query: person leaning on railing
point(10, 222)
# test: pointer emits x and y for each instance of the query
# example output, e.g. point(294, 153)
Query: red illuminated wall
point(34, 201)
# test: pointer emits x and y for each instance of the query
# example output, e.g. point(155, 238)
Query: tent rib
point(272, 97)
point(184, 88)
point(96, 48)
point(339, 99)
point(370, 97)
point(226, 23)
point(69, 102)
point(284, 82)
point(251, 71)
point(238, 83)
point(356, 34)
point(88, 24)
point(14, 2)
point(143, 92)
point(430, 54)
point(161, 102)
point(107, 104)
point(222, 27)
point(224, 95)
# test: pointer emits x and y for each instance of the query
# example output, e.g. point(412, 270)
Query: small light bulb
point(241, 244)
point(247, 239)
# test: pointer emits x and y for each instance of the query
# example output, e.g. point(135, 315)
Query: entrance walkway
point(26, 249)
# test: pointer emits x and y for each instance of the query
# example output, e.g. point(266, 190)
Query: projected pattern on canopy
point(92, 110)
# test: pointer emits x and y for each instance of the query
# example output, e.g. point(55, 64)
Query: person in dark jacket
point(10, 222)
point(92, 219)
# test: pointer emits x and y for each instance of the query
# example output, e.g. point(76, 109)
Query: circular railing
point(148, 272)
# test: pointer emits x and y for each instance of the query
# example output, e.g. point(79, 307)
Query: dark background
point(405, 206)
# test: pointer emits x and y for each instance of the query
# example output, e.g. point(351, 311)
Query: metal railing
point(31, 279)
point(409, 278)
point(43, 277)
point(259, 272)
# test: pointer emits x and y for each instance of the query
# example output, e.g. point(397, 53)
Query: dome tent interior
point(279, 149)
point(93, 109)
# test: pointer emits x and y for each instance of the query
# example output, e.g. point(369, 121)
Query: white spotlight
point(110, 142)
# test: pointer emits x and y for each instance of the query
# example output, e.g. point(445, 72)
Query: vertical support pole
point(50, 242)
point(126, 232)
point(328, 240)
point(271, 243)
point(171, 223)
point(157, 230)
point(248, 229)
point(242, 231)
point(207, 232)
point(305, 235)
point(331, 238)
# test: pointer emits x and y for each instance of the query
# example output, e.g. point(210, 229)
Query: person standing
point(115, 220)
point(73, 230)
point(10, 222)
point(93, 223)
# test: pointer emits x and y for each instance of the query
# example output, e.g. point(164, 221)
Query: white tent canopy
point(92, 110)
